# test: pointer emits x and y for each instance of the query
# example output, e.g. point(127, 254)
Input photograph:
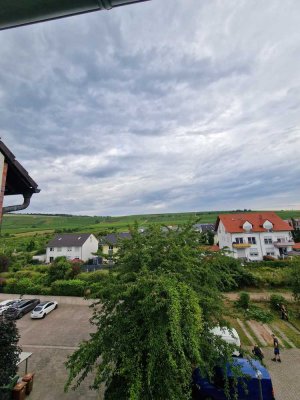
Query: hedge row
point(268, 277)
point(73, 287)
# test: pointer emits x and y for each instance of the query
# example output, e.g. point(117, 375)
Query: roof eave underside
point(18, 180)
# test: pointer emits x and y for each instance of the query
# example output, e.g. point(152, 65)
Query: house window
point(51, 249)
point(77, 249)
point(253, 253)
point(69, 249)
point(270, 253)
point(268, 240)
point(239, 240)
point(59, 249)
point(110, 247)
point(252, 240)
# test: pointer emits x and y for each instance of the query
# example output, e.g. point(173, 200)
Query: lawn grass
point(234, 324)
point(291, 334)
point(231, 313)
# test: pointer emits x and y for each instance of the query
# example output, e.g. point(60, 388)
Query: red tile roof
point(234, 222)
point(215, 247)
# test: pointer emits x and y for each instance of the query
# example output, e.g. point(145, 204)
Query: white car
point(4, 305)
point(41, 310)
point(229, 336)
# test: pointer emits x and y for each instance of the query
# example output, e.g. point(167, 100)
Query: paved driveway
point(51, 340)
point(285, 375)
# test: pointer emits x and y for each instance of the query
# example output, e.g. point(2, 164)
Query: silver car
point(4, 305)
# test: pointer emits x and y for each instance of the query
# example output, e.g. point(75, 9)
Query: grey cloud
point(184, 106)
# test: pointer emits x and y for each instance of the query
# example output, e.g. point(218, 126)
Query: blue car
point(256, 378)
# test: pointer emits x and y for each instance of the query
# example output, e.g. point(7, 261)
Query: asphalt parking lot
point(51, 340)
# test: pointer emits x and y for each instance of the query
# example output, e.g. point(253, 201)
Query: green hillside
point(27, 224)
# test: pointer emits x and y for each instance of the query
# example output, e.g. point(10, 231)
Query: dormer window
point(268, 225)
point(247, 226)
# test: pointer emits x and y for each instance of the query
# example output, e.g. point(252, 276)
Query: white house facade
point(72, 246)
point(252, 236)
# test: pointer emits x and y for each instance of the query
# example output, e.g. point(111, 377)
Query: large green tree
point(154, 317)
point(9, 350)
point(295, 278)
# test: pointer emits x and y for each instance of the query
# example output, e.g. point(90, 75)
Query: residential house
point(109, 244)
point(207, 229)
point(14, 180)
point(254, 235)
point(295, 251)
point(203, 228)
point(72, 246)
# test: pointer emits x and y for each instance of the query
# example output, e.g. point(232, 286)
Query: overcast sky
point(165, 106)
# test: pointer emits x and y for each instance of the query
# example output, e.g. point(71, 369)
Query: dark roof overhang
point(15, 13)
point(18, 180)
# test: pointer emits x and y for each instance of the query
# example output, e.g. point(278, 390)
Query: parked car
point(4, 305)
point(43, 309)
point(255, 378)
point(229, 336)
point(21, 308)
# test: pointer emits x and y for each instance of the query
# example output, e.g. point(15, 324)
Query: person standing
point(276, 349)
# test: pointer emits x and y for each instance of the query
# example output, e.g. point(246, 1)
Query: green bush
point(43, 269)
point(59, 269)
point(269, 264)
point(46, 291)
point(249, 279)
point(259, 314)
point(73, 287)
point(244, 300)
point(97, 276)
point(275, 300)
point(272, 277)
point(7, 275)
point(22, 286)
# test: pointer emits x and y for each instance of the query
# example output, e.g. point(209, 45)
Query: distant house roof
point(214, 247)
point(234, 222)
point(113, 238)
point(296, 247)
point(18, 180)
point(69, 239)
point(204, 227)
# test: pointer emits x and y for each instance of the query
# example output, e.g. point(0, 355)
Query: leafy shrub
point(22, 286)
point(269, 258)
point(46, 291)
point(4, 263)
point(73, 287)
point(269, 263)
point(7, 275)
point(97, 276)
point(41, 268)
point(259, 314)
point(244, 300)
point(275, 300)
point(272, 277)
point(10, 285)
point(248, 279)
point(59, 269)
